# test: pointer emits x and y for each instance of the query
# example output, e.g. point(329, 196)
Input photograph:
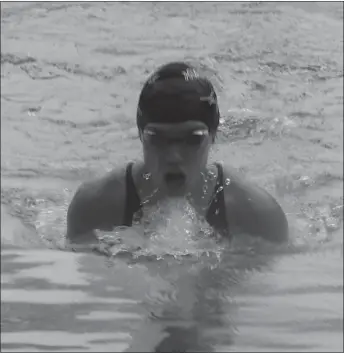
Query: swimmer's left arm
point(266, 217)
point(255, 212)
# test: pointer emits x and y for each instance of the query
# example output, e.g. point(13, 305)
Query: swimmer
point(177, 120)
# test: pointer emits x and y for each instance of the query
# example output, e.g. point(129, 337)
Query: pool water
point(70, 79)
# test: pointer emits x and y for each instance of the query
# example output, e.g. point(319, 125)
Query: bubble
point(212, 175)
point(227, 181)
point(332, 224)
point(305, 180)
point(219, 189)
point(217, 211)
point(146, 176)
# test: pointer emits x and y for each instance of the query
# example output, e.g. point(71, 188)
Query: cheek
point(196, 158)
point(190, 155)
point(202, 152)
point(151, 155)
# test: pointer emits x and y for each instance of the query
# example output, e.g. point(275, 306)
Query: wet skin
point(175, 156)
point(175, 165)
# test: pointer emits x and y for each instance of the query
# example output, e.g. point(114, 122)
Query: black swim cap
point(175, 93)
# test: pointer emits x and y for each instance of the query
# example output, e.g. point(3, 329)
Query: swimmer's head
point(177, 118)
point(176, 93)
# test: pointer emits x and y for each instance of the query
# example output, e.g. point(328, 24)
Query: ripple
point(60, 297)
point(64, 340)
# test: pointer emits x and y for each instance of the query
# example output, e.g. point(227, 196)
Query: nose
point(173, 154)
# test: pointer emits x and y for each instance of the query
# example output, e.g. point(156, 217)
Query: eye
point(196, 137)
point(200, 132)
point(151, 137)
point(149, 132)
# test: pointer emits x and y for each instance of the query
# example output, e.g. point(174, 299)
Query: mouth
point(175, 179)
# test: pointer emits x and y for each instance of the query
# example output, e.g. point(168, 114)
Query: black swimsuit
point(216, 214)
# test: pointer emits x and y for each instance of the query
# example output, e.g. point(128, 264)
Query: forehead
point(186, 126)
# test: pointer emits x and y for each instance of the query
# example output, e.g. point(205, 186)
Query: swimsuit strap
point(216, 214)
point(132, 200)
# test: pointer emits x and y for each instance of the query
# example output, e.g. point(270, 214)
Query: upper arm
point(269, 220)
point(79, 215)
point(255, 212)
point(96, 205)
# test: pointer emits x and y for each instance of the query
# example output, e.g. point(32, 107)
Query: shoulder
point(252, 209)
point(98, 203)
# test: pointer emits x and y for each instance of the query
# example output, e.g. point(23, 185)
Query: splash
point(146, 176)
point(168, 229)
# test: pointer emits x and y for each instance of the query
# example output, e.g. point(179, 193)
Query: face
point(176, 154)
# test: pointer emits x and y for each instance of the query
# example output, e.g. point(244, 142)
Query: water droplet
point(305, 181)
point(219, 189)
point(227, 181)
point(212, 175)
point(146, 176)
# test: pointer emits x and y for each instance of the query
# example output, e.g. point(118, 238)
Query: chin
point(175, 192)
point(175, 195)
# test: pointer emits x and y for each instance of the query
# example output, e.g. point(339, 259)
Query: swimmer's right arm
point(80, 228)
point(96, 205)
